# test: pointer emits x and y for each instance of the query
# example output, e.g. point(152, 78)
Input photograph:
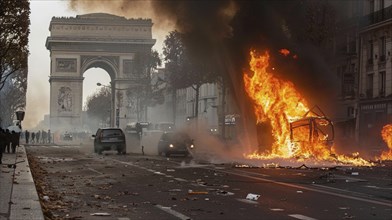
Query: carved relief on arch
point(65, 65)
point(64, 99)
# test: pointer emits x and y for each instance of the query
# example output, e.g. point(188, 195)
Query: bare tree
point(13, 97)
point(185, 70)
point(98, 105)
point(14, 33)
point(146, 64)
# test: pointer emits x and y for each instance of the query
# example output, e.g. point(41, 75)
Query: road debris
point(252, 197)
point(248, 201)
point(191, 192)
point(100, 214)
point(175, 190)
point(224, 193)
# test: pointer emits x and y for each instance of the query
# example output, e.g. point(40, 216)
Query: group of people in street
point(9, 140)
point(39, 137)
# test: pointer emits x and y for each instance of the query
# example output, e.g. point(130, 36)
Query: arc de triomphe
point(79, 43)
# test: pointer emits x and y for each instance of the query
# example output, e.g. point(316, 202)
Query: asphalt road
point(75, 183)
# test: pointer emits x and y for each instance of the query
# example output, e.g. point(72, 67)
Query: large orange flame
point(278, 102)
point(386, 134)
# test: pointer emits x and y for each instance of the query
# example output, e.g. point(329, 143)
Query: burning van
point(312, 129)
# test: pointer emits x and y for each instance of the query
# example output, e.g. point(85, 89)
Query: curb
point(24, 202)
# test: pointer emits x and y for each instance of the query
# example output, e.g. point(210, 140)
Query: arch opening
point(98, 113)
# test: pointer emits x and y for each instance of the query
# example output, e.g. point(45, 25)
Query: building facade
point(375, 72)
point(363, 52)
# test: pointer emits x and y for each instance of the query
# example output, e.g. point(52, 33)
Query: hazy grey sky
point(38, 90)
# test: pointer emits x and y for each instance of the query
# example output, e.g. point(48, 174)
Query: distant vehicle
point(136, 127)
point(109, 139)
point(165, 126)
point(67, 137)
point(175, 143)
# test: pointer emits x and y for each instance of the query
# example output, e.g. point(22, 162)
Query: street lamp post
point(113, 114)
point(20, 116)
point(111, 103)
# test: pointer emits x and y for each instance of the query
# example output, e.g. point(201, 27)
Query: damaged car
point(172, 143)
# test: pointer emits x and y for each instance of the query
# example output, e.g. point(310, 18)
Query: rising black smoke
point(223, 32)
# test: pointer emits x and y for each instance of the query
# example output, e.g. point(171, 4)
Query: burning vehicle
point(298, 131)
point(312, 130)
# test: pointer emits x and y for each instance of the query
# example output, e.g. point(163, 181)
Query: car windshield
point(112, 132)
point(180, 137)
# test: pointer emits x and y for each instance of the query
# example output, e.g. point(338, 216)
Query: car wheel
point(121, 149)
point(99, 150)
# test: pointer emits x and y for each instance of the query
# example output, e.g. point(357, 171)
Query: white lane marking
point(376, 187)
point(302, 217)
point(277, 210)
point(350, 179)
point(173, 212)
point(95, 171)
point(248, 201)
point(181, 180)
point(150, 170)
point(307, 188)
point(253, 173)
point(283, 184)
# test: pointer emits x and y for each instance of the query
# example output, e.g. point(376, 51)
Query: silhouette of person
point(14, 141)
point(49, 136)
point(32, 137)
point(27, 136)
point(2, 144)
point(7, 141)
point(37, 136)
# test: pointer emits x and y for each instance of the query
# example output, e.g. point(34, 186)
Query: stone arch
point(104, 63)
point(101, 40)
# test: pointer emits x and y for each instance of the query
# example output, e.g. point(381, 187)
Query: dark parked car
point(67, 137)
point(175, 143)
point(109, 139)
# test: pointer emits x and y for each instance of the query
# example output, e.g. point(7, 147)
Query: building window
point(352, 44)
point(370, 52)
point(381, 4)
point(383, 47)
point(350, 112)
point(371, 6)
point(369, 85)
point(381, 84)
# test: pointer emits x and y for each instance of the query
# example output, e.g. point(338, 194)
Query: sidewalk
point(18, 195)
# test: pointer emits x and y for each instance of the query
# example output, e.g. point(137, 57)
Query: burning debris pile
point(386, 134)
point(278, 102)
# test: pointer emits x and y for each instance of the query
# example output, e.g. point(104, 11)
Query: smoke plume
point(223, 33)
